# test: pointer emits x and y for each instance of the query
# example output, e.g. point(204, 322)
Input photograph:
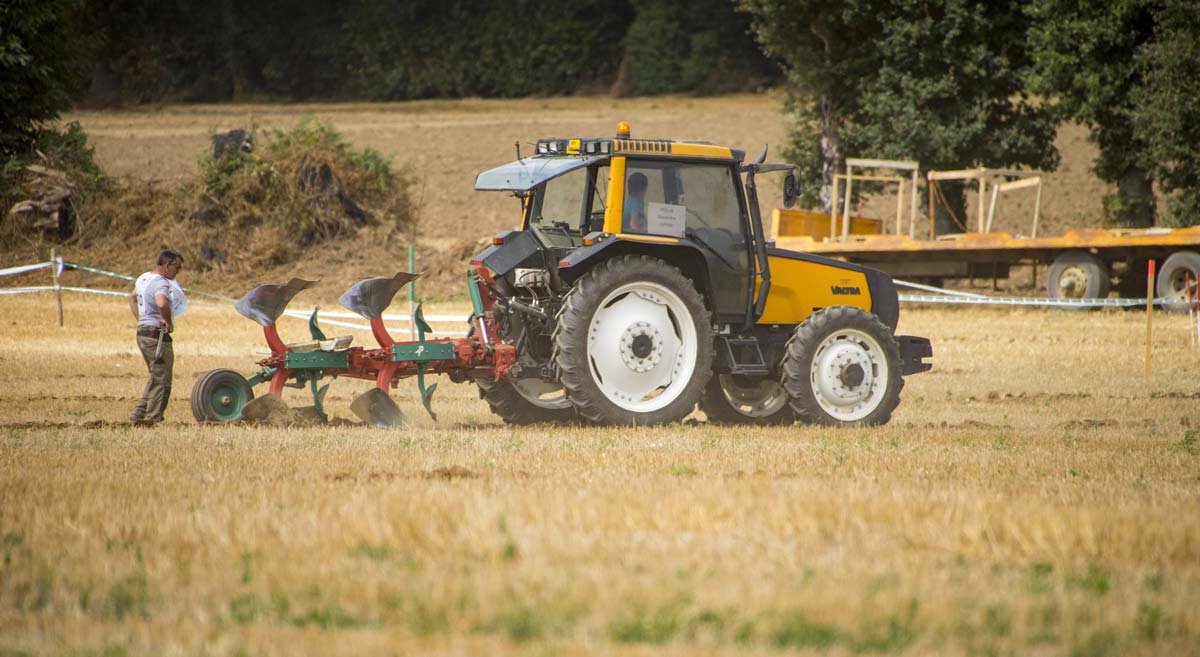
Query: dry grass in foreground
point(1028, 498)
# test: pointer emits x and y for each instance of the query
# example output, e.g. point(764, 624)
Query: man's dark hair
point(637, 182)
point(169, 257)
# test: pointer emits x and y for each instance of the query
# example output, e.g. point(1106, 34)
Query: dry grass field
point(1030, 497)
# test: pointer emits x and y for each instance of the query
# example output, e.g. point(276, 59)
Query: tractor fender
point(684, 255)
point(885, 302)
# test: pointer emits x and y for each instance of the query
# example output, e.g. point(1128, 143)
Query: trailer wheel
point(1078, 275)
point(633, 344)
point(842, 368)
point(731, 399)
point(1171, 282)
point(220, 396)
point(527, 401)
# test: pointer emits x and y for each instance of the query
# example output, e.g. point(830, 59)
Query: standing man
point(153, 302)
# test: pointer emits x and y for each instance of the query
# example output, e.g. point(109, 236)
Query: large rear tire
point(220, 396)
point(842, 368)
point(527, 401)
point(1171, 283)
point(633, 344)
point(731, 399)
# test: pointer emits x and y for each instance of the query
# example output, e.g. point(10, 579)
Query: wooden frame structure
point(869, 163)
point(1024, 179)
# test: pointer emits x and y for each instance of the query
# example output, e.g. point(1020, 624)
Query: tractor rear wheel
point(527, 401)
point(731, 399)
point(842, 368)
point(220, 396)
point(633, 343)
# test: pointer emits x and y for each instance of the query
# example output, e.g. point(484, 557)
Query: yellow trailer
point(1082, 263)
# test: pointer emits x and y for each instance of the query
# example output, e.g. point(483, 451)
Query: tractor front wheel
point(219, 396)
point(733, 399)
point(633, 343)
point(842, 368)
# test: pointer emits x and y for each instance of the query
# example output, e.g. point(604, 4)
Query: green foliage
point(1167, 104)
point(647, 626)
point(696, 47)
point(403, 49)
point(38, 68)
point(129, 596)
point(939, 82)
point(311, 134)
point(307, 182)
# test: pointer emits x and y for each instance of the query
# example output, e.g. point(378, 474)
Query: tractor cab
point(583, 196)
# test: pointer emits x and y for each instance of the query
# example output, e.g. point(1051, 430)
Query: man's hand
point(133, 306)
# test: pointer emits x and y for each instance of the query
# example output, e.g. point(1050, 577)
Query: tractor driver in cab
point(634, 215)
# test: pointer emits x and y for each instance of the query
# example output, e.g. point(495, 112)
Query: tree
point(1086, 63)
point(700, 47)
point(1166, 104)
point(38, 68)
point(825, 52)
point(938, 81)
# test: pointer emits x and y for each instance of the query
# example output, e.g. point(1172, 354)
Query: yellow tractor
point(641, 284)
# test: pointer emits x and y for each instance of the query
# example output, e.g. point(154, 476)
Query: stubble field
point(1030, 497)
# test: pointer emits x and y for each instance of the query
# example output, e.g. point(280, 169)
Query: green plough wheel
point(220, 396)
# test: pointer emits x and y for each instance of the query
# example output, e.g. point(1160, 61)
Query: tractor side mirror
point(791, 190)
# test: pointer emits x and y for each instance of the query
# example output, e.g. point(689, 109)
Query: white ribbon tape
point(21, 269)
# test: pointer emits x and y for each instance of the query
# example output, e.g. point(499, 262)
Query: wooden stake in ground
point(1149, 315)
point(54, 270)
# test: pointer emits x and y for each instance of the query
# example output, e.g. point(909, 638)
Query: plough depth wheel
point(220, 396)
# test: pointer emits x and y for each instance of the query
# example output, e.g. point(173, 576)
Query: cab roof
point(556, 156)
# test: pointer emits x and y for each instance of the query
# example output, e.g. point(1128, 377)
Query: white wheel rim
point(763, 399)
point(542, 394)
point(834, 375)
point(1072, 284)
point(642, 347)
point(1177, 284)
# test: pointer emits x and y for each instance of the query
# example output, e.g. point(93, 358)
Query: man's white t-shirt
point(147, 286)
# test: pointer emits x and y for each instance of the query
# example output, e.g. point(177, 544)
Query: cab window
point(565, 208)
point(666, 198)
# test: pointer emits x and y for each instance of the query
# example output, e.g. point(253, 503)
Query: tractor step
point(744, 356)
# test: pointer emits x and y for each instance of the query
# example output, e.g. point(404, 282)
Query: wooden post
point(846, 208)
point(912, 216)
point(1037, 208)
point(833, 209)
point(1149, 318)
point(992, 209)
point(930, 186)
point(54, 267)
point(982, 193)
